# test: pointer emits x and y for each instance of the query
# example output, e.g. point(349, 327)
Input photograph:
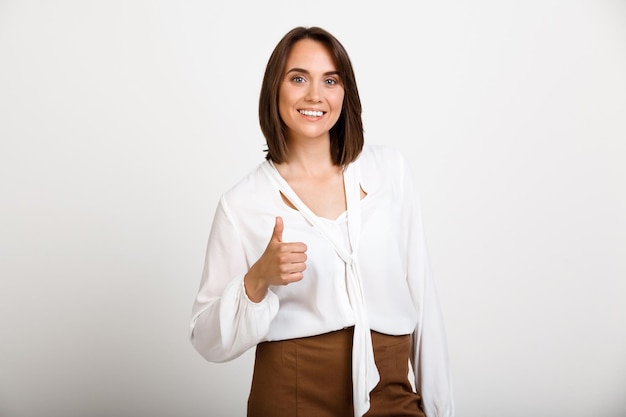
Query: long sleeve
point(429, 345)
point(430, 357)
point(225, 322)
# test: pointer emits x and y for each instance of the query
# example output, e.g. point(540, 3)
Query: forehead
point(310, 55)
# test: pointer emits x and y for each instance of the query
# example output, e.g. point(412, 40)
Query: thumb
point(277, 234)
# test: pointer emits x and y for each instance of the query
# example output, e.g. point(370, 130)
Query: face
point(311, 93)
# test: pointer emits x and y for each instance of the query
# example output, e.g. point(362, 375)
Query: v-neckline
point(294, 196)
point(351, 178)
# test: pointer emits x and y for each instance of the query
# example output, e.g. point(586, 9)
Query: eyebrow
point(302, 70)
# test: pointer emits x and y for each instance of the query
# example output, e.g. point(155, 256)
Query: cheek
point(286, 98)
point(338, 99)
point(337, 105)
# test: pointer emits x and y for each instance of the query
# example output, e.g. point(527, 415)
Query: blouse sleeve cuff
point(270, 296)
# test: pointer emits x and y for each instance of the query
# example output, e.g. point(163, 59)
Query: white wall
point(121, 122)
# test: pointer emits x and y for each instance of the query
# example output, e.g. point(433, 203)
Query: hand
point(282, 263)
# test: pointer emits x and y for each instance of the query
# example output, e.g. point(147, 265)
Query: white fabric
point(364, 372)
point(381, 282)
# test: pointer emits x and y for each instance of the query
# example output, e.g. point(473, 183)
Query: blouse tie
point(365, 375)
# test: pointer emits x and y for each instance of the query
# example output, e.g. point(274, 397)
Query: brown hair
point(346, 136)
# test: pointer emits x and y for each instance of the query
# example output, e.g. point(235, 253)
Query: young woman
point(318, 257)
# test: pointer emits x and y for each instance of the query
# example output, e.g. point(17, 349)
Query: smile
point(314, 113)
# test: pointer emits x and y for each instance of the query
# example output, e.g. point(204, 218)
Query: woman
point(318, 257)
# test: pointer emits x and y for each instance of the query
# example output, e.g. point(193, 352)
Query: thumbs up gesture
point(282, 263)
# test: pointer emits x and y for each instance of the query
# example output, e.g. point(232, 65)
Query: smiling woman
point(318, 257)
point(347, 132)
point(311, 95)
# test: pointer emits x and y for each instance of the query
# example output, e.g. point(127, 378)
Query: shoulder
point(250, 188)
point(382, 161)
point(382, 156)
point(382, 169)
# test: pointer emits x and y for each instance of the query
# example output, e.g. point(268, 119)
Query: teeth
point(311, 113)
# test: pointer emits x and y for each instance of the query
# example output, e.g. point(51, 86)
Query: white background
point(121, 123)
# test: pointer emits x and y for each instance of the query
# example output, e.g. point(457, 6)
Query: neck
point(308, 158)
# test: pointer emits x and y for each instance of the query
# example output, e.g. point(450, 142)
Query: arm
point(225, 321)
point(429, 353)
point(430, 357)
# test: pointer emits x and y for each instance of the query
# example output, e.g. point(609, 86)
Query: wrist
point(255, 289)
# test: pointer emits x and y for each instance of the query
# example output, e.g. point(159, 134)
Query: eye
point(298, 79)
point(330, 81)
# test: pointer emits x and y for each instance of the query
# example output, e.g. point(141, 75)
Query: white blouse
point(368, 268)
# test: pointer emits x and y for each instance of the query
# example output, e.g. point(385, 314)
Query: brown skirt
point(312, 376)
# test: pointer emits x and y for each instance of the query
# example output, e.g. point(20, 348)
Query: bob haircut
point(346, 136)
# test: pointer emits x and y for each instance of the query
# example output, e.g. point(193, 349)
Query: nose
point(314, 93)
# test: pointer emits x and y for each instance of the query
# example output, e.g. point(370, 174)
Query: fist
point(282, 263)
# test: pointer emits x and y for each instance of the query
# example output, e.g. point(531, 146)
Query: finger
point(295, 258)
point(292, 268)
point(288, 256)
point(277, 233)
point(292, 277)
point(294, 247)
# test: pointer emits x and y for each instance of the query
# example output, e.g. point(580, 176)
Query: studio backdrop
point(122, 123)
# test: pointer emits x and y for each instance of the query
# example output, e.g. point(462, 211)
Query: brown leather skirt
point(312, 377)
